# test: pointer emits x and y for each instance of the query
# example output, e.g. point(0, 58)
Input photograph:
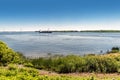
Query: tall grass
point(71, 63)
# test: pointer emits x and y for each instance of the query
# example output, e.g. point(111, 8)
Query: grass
point(19, 72)
point(106, 63)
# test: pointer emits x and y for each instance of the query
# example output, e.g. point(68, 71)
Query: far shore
point(66, 31)
point(100, 31)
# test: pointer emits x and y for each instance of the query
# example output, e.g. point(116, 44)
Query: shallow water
point(39, 44)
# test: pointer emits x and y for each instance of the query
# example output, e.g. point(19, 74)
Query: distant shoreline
point(100, 31)
point(67, 31)
point(59, 31)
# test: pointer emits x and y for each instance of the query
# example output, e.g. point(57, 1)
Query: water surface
point(39, 44)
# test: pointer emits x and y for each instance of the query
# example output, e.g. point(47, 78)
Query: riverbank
point(16, 66)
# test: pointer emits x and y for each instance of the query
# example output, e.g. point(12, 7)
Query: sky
point(30, 15)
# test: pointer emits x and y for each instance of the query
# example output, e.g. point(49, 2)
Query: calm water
point(39, 44)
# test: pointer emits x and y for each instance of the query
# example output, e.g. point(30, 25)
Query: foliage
point(7, 55)
point(101, 64)
point(18, 72)
point(72, 63)
point(114, 50)
point(15, 72)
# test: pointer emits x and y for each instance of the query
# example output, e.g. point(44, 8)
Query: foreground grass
point(15, 72)
point(19, 72)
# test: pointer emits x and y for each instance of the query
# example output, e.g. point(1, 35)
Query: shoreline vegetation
point(100, 31)
point(67, 31)
point(57, 31)
point(15, 66)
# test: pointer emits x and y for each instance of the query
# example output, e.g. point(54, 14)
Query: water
point(39, 44)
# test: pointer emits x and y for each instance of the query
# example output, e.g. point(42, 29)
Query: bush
point(7, 55)
point(114, 50)
point(72, 63)
point(104, 64)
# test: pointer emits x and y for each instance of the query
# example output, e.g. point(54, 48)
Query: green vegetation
point(19, 72)
point(7, 55)
point(72, 63)
point(15, 66)
point(114, 50)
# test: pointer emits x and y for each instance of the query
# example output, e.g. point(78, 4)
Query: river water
point(80, 43)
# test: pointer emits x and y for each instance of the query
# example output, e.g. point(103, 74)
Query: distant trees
point(114, 50)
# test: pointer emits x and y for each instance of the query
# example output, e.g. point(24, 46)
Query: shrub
point(114, 50)
point(28, 64)
point(104, 64)
point(72, 63)
point(7, 55)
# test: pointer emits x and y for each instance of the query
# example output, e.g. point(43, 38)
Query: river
point(80, 43)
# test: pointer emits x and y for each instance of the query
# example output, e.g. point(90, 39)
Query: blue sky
point(59, 14)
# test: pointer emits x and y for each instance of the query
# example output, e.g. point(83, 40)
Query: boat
point(44, 31)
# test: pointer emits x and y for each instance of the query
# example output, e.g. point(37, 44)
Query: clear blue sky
point(59, 14)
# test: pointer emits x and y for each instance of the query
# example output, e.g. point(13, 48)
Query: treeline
point(100, 31)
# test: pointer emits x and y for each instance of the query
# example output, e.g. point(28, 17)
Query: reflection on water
point(34, 44)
